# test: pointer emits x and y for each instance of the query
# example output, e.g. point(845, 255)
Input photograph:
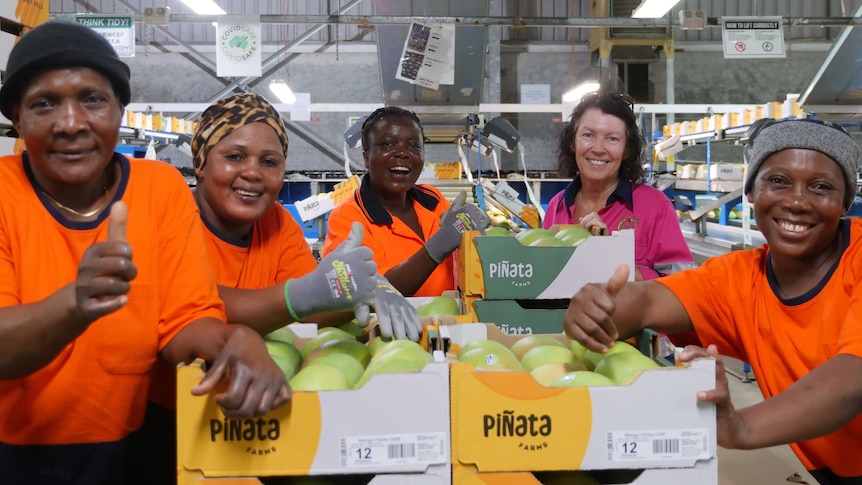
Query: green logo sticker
point(239, 42)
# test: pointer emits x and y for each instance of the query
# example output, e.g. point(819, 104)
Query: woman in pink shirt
point(602, 150)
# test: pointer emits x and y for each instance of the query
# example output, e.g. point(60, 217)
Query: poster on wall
point(119, 30)
point(428, 57)
point(752, 37)
point(26, 12)
point(238, 46)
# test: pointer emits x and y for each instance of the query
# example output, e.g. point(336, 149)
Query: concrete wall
point(701, 77)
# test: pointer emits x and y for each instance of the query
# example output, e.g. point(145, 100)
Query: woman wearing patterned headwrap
point(239, 150)
point(266, 273)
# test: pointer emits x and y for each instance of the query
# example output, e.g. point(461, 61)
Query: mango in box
point(547, 354)
point(592, 358)
point(573, 236)
point(624, 367)
point(582, 378)
point(549, 374)
point(521, 347)
point(439, 306)
point(497, 231)
point(285, 355)
point(528, 236)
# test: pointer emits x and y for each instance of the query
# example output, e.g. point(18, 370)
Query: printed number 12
point(630, 448)
point(363, 453)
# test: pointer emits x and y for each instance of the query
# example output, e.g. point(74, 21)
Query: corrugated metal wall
point(200, 33)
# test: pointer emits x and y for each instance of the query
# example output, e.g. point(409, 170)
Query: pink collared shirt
point(660, 247)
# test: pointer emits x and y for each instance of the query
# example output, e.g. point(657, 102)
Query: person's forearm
point(265, 310)
point(645, 304)
point(202, 338)
point(32, 335)
point(261, 309)
point(410, 275)
point(818, 404)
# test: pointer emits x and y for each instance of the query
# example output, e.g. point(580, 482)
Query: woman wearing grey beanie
point(792, 308)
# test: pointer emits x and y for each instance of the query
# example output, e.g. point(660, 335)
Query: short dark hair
point(382, 113)
point(614, 104)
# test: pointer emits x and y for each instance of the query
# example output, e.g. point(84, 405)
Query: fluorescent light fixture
point(653, 9)
point(204, 7)
point(575, 94)
point(282, 91)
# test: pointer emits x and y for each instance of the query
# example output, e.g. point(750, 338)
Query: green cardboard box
point(516, 317)
point(511, 270)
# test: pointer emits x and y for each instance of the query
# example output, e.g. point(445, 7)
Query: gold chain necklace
point(78, 213)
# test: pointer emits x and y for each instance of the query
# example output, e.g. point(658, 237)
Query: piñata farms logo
point(239, 42)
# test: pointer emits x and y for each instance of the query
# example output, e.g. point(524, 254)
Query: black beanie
point(58, 44)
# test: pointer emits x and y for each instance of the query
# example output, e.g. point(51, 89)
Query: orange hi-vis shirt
point(732, 302)
point(276, 253)
point(94, 391)
point(392, 241)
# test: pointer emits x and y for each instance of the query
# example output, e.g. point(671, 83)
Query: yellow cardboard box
point(506, 425)
point(395, 426)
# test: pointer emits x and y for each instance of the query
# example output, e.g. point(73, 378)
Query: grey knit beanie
point(58, 44)
point(775, 135)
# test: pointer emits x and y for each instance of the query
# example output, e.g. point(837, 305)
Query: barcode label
point(393, 450)
point(665, 446)
point(343, 452)
point(405, 450)
point(610, 446)
point(659, 445)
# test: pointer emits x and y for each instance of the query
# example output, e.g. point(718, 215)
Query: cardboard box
point(501, 268)
point(314, 206)
point(509, 198)
point(726, 171)
point(505, 424)
point(441, 171)
point(522, 317)
point(395, 426)
point(321, 204)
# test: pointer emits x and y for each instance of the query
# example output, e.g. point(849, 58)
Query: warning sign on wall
point(752, 37)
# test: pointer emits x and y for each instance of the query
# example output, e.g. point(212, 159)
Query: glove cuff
point(431, 254)
point(296, 318)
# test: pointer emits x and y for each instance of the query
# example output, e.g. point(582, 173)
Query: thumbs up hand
point(343, 280)
point(589, 318)
point(458, 219)
point(106, 271)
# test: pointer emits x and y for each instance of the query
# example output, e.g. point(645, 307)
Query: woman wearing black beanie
point(81, 321)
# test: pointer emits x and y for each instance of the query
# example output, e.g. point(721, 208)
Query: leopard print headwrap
point(229, 114)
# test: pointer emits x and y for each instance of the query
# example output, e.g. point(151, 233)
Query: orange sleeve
point(850, 336)
point(340, 221)
point(187, 283)
point(704, 292)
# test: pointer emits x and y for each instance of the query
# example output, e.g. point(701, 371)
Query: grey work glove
point(343, 280)
point(395, 315)
point(457, 220)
